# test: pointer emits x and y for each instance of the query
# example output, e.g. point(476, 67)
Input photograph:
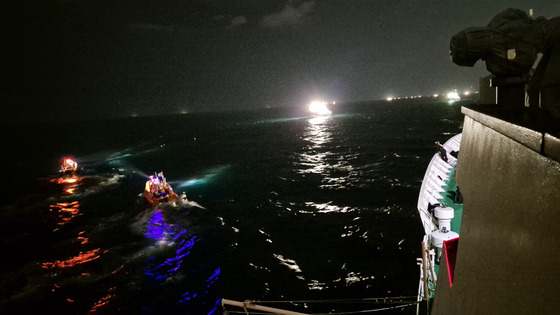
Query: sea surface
point(277, 206)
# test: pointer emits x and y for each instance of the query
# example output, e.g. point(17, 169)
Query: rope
point(377, 300)
point(370, 311)
point(338, 313)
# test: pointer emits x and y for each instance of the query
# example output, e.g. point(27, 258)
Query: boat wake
point(91, 185)
point(184, 202)
point(209, 176)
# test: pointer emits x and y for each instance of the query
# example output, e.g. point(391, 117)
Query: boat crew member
point(442, 152)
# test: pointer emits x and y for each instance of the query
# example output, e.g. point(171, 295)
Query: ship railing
point(250, 305)
point(427, 283)
point(256, 307)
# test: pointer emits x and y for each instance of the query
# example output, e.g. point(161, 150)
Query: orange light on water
point(82, 258)
point(84, 240)
point(68, 180)
point(66, 211)
point(103, 301)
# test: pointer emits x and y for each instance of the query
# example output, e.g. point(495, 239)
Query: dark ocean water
point(280, 207)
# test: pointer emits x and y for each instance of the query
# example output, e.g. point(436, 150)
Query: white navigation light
point(319, 108)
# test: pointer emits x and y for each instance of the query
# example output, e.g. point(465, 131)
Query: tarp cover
point(509, 43)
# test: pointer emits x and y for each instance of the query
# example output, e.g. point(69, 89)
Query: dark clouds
point(99, 57)
point(292, 14)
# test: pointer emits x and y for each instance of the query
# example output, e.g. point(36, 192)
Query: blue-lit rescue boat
point(157, 190)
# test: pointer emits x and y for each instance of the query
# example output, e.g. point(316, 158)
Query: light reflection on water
point(187, 296)
point(328, 207)
point(168, 264)
point(317, 134)
point(317, 131)
point(81, 258)
point(171, 235)
point(332, 152)
point(323, 156)
point(320, 157)
point(104, 300)
point(66, 211)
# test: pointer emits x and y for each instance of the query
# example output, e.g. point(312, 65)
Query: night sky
point(106, 58)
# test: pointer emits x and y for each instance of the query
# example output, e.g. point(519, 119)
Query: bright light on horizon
point(319, 108)
point(453, 95)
